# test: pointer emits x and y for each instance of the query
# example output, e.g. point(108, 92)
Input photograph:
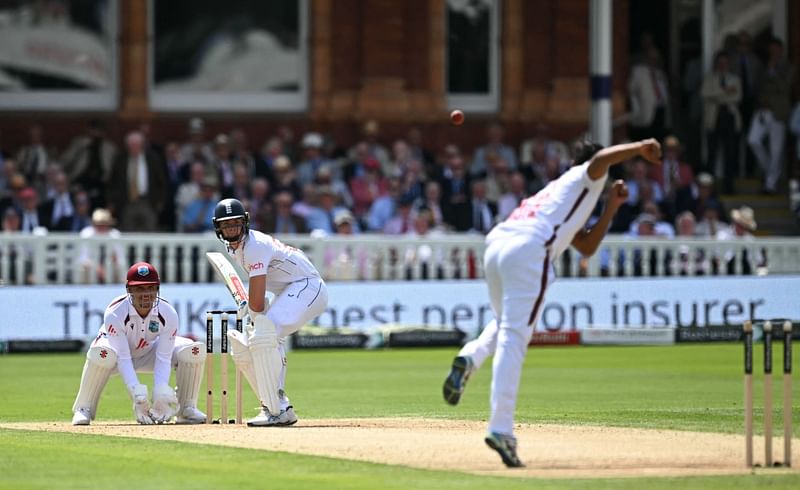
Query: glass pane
point(233, 46)
point(52, 46)
point(468, 46)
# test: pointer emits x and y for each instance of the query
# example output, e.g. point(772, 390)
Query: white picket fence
point(65, 258)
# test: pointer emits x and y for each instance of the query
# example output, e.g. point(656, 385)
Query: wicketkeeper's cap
point(142, 273)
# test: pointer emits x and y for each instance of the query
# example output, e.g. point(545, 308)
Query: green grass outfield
point(688, 387)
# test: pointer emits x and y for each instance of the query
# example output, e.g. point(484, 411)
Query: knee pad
point(194, 353)
point(103, 357)
point(264, 333)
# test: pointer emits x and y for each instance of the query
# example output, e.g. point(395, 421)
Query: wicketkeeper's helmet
point(142, 273)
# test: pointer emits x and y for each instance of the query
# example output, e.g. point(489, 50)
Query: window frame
point(106, 100)
point(478, 102)
point(240, 102)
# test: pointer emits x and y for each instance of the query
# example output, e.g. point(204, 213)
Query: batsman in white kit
point(300, 296)
point(140, 334)
point(518, 264)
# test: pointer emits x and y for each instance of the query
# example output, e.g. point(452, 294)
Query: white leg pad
point(100, 363)
point(241, 356)
point(267, 361)
point(189, 373)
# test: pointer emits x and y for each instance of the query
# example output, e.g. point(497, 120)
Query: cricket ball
point(457, 117)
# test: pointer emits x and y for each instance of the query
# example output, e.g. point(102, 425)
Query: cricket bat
point(230, 277)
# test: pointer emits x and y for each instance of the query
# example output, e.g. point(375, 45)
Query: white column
point(600, 57)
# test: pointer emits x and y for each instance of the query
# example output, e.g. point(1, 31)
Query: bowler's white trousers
point(518, 270)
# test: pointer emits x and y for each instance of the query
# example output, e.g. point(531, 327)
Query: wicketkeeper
point(139, 333)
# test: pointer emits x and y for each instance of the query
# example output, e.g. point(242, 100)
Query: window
point(235, 55)
point(473, 54)
point(58, 54)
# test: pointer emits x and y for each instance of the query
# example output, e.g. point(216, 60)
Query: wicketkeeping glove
point(165, 404)
point(141, 405)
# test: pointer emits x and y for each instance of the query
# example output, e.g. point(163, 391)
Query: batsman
point(300, 296)
point(140, 333)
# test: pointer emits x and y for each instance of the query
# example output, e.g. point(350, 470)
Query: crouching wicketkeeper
point(139, 333)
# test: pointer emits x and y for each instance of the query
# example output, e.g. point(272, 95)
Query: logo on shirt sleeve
point(112, 330)
point(255, 267)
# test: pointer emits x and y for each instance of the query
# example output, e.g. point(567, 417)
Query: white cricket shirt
point(556, 213)
point(282, 264)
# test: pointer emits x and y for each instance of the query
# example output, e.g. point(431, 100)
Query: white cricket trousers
point(518, 270)
point(770, 160)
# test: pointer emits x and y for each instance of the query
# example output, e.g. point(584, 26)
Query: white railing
point(64, 258)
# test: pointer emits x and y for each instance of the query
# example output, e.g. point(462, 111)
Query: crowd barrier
point(65, 258)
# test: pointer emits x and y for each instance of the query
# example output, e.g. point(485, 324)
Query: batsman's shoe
point(506, 447)
point(457, 379)
point(82, 416)
point(265, 419)
point(190, 416)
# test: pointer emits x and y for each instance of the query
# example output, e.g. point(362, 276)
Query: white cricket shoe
point(265, 419)
point(82, 416)
point(190, 416)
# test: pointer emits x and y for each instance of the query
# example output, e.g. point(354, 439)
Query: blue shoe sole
point(454, 384)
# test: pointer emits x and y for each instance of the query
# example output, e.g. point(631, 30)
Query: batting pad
point(189, 373)
point(100, 363)
point(241, 357)
point(267, 361)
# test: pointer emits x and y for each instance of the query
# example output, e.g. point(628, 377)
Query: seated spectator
point(345, 263)
point(265, 160)
point(83, 212)
point(455, 185)
point(483, 211)
point(241, 181)
point(697, 196)
point(32, 214)
point(326, 177)
point(511, 199)
point(312, 159)
point(743, 224)
point(368, 187)
point(103, 263)
point(321, 217)
point(188, 191)
point(283, 219)
point(370, 146)
point(11, 221)
point(12, 224)
point(384, 207)
point(431, 200)
point(59, 210)
point(710, 224)
point(285, 178)
point(495, 135)
point(260, 203)
point(496, 177)
point(673, 175)
point(429, 260)
point(685, 225)
point(652, 213)
point(401, 222)
point(197, 216)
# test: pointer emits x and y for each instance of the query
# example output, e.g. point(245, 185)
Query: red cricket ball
point(457, 117)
